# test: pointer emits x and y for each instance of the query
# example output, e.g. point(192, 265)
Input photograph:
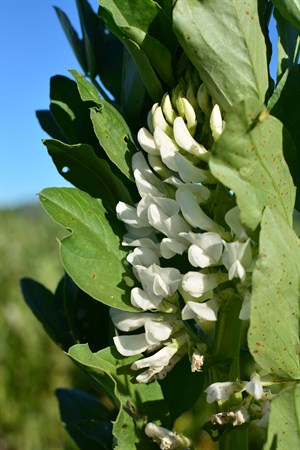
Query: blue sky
point(33, 48)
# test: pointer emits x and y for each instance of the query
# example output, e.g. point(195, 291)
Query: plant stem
point(226, 349)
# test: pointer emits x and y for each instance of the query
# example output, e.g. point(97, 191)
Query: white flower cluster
point(254, 407)
point(171, 221)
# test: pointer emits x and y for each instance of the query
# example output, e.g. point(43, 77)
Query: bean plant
point(180, 299)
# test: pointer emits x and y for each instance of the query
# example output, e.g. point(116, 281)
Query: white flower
point(171, 246)
point(196, 283)
point(128, 214)
point(197, 361)
point(170, 226)
point(160, 281)
point(222, 391)
point(193, 213)
point(140, 299)
point(167, 148)
point(237, 257)
point(155, 333)
point(206, 249)
point(190, 173)
point(147, 142)
point(216, 122)
point(131, 345)
point(254, 387)
point(185, 140)
point(129, 321)
point(158, 120)
point(142, 257)
point(167, 440)
point(201, 311)
point(156, 363)
point(240, 416)
point(169, 206)
point(246, 307)
point(146, 181)
point(232, 218)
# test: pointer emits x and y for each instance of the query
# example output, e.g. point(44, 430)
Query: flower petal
point(131, 345)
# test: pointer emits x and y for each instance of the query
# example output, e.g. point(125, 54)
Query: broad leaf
point(91, 255)
point(147, 73)
point(48, 124)
point(88, 319)
point(72, 36)
point(288, 43)
point(49, 310)
point(290, 10)
point(224, 41)
point(110, 128)
point(86, 419)
point(287, 98)
point(145, 23)
point(248, 158)
point(91, 34)
point(284, 422)
point(70, 112)
point(80, 166)
point(274, 335)
point(137, 403)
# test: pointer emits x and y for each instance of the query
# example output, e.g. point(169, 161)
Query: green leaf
point(86, 419)
point(49, 310)
point(80, 166)
point(290, 10)
point(88, 318)
point(70, 112)
point(87, 90)
point(48, 124)
point(273, 336)
point(72, 36)
point(284, 422)
point(133, 92)
point(288, 43)
point(248, 158)
point(114, 136)
point(147, 73)
point(224, 41)
point(110, 127)
point(91, 255)
point(284, 104)
point(145, 23)
point(137, 403)
point(91, 32)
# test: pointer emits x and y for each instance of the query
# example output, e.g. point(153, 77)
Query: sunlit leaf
point(284, 422)
point(224, 40)
point(137, 403)
point(144, 23)
point(290, 10)
point(248, 158)
point(274, 335)
point(110, 127)
point(91, 255)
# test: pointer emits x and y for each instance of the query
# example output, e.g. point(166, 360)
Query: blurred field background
point(31, 366)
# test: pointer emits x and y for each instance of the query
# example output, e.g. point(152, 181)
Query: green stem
point(226, 349)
